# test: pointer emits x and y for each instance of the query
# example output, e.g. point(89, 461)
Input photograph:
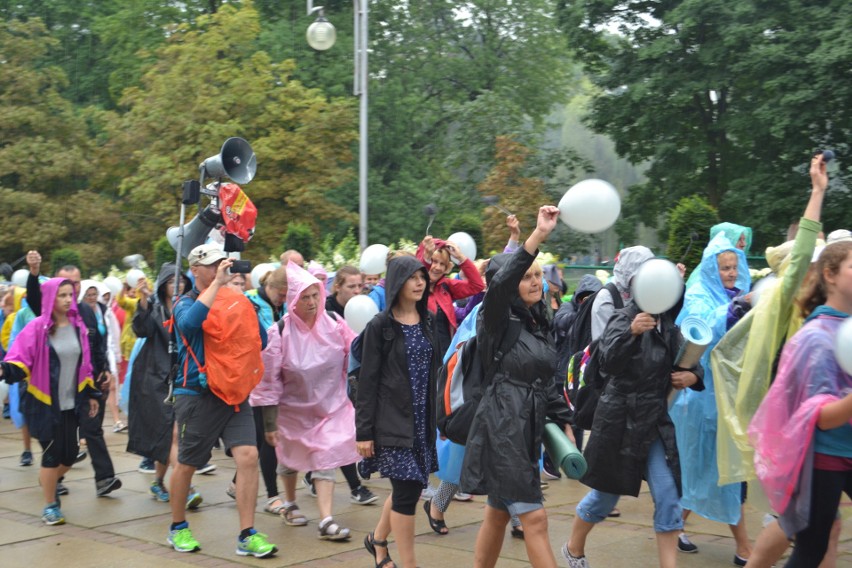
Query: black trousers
point(91, 429)
point(811, 543)
point(266, 454)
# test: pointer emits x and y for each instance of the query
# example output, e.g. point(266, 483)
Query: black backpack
point(463, 379)
point(583, 382)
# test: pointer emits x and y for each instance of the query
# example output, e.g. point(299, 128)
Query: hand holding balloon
point(464, 245)
point(641, 323)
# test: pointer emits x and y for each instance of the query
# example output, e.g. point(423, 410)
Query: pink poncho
point(306, 377)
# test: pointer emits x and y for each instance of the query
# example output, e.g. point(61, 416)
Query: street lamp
point(321, 36)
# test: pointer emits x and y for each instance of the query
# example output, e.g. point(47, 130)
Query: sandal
point(293, 516)
point(437, 525)
point(333, 531)
point(274, 509)
point(371, 543)
point(518, 532)
point(615, 513)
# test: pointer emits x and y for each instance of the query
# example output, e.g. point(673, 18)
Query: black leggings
point(266, 453)
point(812, 542)
point(405, 495)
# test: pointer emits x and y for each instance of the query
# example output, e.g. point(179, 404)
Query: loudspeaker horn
point(236, 160)
point(133, 260)
point(195, 232)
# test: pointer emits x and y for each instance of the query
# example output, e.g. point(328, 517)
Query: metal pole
point(361, 41)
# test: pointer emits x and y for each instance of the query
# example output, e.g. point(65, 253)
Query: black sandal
point(518, 532)
point(371, 543)
point(438, 525)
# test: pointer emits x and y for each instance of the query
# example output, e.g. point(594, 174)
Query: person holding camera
point(202, 417)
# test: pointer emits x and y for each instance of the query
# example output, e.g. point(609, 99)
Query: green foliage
point(333, 253)
point(64, 257)
point(300, 237)
point(163, 253)
point(689, 226)
point(725, 99)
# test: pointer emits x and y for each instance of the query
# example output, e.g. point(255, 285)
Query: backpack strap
point(171, 325)
point(617, 301)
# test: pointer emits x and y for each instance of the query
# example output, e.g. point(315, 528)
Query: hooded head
point(167, 272)
point(86, 285)
point(400, 269)
point(627, 265)
point(317, 270)
point(298, 281)
point(739, 236)
point(49, 292)
point(588, 285)
point(709, 268)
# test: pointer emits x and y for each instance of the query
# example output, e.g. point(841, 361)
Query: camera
point(240, 267)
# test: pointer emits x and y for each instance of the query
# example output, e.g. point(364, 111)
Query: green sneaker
point(256, 545)
point(183, 541)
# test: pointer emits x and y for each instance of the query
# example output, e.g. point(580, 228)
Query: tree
point(689, 229)
point(725, 99)
point(65, 257)
point(192, 99)
point(300, 237)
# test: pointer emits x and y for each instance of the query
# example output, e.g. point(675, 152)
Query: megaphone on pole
point(195, 232)
point(236, 160)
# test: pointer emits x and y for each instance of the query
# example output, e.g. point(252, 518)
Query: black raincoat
point(150, 430)
point(503, 448)
point(633, 410)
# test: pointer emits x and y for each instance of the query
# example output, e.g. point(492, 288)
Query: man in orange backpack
point(202, 416)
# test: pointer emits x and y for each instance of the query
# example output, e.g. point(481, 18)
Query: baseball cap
point(839, 235)
point(205, 255)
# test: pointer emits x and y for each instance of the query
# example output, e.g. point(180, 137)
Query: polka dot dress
point(417, 462)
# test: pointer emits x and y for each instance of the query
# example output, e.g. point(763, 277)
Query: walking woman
point(52, 354)
point(305, 409)
point(395, 419)
point(504, 445)
point(801, 432)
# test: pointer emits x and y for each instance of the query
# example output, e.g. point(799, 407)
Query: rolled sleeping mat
point(697, 335)
point(563, 452)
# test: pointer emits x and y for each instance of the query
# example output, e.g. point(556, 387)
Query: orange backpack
point(232, 346)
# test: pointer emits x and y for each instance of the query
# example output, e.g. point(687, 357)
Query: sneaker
point(461, 496)
point(549, 470)
point(739, 560)
point(206, 468)
point(543, 484)
point(183, 541)
point(363, 496)
point(119, 427)
point(193, 499)
point(573, 561)
point(107, 486)
point(312, 491)
point(81, 455)
point(146, 466)
point(231, 491)
point(159, 491)
point(61, 489)
point(26, 458)
point(427, 493)
point(684, 545)
point(52, 515)
point(256, 545)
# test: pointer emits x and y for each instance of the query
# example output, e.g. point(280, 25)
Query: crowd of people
point(766, 400)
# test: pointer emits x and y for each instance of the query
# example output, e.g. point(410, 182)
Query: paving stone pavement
point(128, 528)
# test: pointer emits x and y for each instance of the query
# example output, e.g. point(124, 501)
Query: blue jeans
point(668, 515)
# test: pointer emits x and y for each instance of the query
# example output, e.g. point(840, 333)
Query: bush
point(300, 237)
point(163, 253)
point(689, 230)
point(64, 257)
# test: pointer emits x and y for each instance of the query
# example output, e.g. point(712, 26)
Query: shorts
point(322, 474)
point(63, 447)
point(204, 418)
point(514, 508)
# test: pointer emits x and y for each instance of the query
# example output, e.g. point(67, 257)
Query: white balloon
point(374, 260)
point(657, 286)
point(466, 244)
point(133, 277)
point(114, 285)
point(358, 312)
point(4, 389)
point(19, 277)
point(843, 346)
point(590, 206)
point(258, 271)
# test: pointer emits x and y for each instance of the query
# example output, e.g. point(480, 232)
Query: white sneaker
point(573, 561)
point(427, 493)
point(461, 496)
